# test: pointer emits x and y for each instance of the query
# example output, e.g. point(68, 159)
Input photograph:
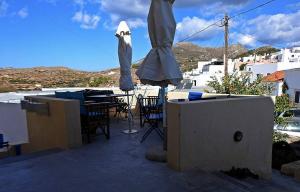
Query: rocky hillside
point(12, 79)
point(188, 54)
point(265, 50)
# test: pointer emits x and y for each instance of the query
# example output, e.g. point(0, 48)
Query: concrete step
point(14, 159)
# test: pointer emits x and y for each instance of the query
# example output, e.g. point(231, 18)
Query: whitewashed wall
point(13, 123)
point(292, 78)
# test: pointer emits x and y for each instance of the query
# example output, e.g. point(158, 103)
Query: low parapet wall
point(60, 128)
point(201, 134)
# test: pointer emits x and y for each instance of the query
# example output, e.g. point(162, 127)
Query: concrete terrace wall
point(60, 129)
point(200, 134)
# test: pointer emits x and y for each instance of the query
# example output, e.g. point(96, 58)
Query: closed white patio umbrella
point(125, 56)
point(125, 59)
point(160, 67)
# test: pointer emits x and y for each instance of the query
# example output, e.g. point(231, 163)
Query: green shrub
point(135, 66)
point(240, 85)
point(242, 67)
point(96, 82)
point(282, 104)
point(278, 136)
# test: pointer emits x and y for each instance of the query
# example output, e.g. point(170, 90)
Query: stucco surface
point(201, 134)
point(60, 129)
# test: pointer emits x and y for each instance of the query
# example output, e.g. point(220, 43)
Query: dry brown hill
point(11, 79)
point(188, 54)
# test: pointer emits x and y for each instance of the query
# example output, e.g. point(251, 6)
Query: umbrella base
point(130, 131)
point(156, 153)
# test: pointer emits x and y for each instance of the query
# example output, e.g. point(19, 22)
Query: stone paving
point(120, 165)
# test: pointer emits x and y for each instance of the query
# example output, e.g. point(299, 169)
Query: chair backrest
point(149, 101)
point(1, 140)
point(97, 114)
point(149, 105)
point(88, 93)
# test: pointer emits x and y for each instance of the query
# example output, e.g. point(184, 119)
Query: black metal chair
point(4, 144)
point(121, 107)
point(144, 104)
point(118, 103)
point(151, 112)
point(96, 116)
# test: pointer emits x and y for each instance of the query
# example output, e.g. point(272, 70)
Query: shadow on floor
point(119, 164)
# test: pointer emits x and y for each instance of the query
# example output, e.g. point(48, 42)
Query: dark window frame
point(297, 96)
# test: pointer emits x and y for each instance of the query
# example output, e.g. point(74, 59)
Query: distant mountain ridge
point(187, 55)
point(259, 51)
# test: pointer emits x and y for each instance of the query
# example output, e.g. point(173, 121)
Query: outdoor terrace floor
point(120, 165)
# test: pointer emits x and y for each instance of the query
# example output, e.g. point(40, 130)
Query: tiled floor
point(120, 165)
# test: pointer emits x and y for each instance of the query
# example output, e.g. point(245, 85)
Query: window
point(259, 75)
point(296, 113)
point(292, 113)
point(297, 97)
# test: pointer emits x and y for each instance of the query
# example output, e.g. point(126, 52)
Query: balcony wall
point(201, 134)
point(61, 128)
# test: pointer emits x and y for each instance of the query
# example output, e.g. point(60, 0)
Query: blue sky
point(80, 33)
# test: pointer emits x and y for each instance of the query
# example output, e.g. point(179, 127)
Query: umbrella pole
point(129, 116)
point(164, 95)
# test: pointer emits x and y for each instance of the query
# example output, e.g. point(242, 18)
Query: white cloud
point(85, 20)
point(193, 3)
point(135, 11)
point(294, 44)
point(132, 11)
point(190, 26)
point(244, 39)
point(3, 8)
point(23, 13)
point(134, 23)
point(275, 29)
point(83, 17)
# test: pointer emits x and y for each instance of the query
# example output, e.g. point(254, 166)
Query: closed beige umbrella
point(160, 67)
point(125, 59)
point(125, 56)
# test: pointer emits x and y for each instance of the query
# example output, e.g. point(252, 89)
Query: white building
point(277, 81)
point(284, 60)
point(292, 79)
point(206, 70)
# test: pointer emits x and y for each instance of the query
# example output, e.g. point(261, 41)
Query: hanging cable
point(252, 9)
point(216, 23)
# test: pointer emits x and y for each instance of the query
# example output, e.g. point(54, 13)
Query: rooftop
point(275, 77)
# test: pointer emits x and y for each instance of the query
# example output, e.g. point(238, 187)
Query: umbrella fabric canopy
point(160, 67)
point(125, 56)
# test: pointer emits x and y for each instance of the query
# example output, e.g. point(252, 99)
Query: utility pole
point(226, 23)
